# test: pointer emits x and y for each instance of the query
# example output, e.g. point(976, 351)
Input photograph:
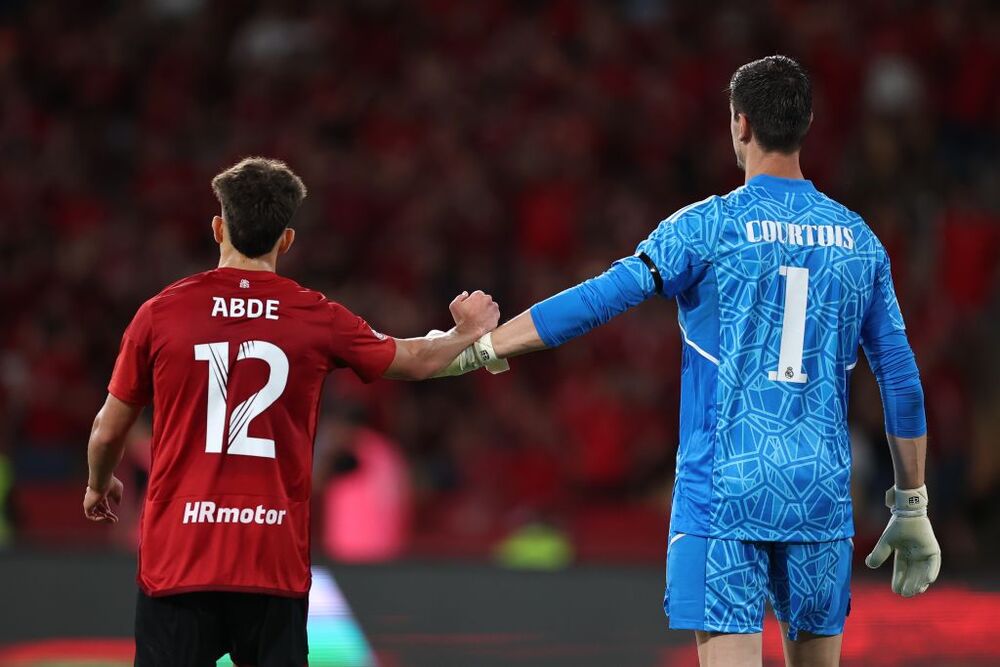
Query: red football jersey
point(234, 363)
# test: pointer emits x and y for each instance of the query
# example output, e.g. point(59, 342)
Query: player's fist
point(97, 505)
point(475, 314)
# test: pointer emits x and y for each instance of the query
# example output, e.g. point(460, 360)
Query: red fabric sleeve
point(358, 347)
point(132, 379)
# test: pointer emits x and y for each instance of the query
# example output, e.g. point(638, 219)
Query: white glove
point(910, 536)
point(478, 355)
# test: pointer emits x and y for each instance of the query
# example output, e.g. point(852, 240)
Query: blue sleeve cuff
point(579, 309)
point(895, 368)
point(904, 412)
point(538, 317)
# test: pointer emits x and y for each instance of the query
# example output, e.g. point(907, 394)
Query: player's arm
point(577, 310)
point(517, 336)
point(131, 387)
point(670, 260)
point(909, 534)
point(571, 313)
point(104, 453)
point(475, 316)
point(909, 456)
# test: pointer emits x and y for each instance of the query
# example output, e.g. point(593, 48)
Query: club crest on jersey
point(244, 283)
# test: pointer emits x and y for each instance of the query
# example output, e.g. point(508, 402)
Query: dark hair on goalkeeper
point(259, 197)
point(775, 95)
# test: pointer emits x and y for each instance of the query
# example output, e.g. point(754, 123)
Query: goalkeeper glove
point(478, 355)
point(910, 536)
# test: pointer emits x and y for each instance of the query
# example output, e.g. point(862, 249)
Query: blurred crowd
point(516, 147)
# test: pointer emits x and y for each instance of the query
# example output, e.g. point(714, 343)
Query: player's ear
point(218, 229)
point(745, 132)
point(286, 240)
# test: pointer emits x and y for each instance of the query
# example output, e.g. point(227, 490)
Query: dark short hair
point(259, 196)
point(775, 95)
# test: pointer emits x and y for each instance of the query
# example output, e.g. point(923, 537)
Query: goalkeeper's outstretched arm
point(577, 310)
point(674, 256)
point(518, 336)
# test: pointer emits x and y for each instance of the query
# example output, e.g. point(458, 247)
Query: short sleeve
point(883, 316)
point(132, 378)
point(683, 245)
point(357, 346)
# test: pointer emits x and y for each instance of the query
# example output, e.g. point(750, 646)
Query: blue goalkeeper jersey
point(776, 285)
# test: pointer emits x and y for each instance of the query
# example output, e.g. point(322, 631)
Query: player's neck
point(234, 260)
point(779, 165)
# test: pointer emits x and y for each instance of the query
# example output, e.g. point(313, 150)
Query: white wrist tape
point(478, 355)
point(488, 356)
point(907, 502)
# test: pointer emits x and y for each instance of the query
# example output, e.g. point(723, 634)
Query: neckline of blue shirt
point(782, 184)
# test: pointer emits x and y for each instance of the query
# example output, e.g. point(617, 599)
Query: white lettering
point(782, 232)
point(207, 512)
point(825, 235)
point(794, 234)
point(797, 234)
point(770, 235)
point(249, 308)
point(227, 515)
point(809, 234)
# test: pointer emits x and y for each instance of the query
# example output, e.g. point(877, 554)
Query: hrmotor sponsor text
point(206, 511)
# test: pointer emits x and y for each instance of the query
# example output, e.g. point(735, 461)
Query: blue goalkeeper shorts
point(719, 585)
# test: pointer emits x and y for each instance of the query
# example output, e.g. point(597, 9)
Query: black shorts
point(195, 629)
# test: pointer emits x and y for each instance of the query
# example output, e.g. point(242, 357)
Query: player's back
point(773, 326)
point(236, 360)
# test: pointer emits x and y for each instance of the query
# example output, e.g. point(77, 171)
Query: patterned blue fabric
point(809, 585)
point(764, 452)
point(719, 585)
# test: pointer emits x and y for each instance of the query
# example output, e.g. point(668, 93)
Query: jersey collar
point(260, 276)
point(777, 184)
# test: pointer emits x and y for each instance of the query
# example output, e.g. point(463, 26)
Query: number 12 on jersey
point(793, 327)
point(217, 356)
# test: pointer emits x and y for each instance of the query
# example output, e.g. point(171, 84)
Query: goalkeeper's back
point(776, 285)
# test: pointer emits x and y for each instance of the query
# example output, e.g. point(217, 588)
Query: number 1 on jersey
point(793, 327)
point(240, 442)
